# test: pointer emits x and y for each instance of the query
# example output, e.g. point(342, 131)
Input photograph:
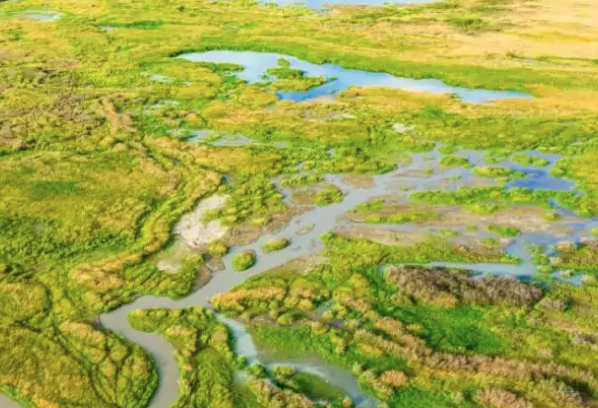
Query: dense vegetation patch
point(400, 330)
point(244, 261)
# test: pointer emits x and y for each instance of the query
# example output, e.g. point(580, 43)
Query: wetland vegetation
point(150, 149)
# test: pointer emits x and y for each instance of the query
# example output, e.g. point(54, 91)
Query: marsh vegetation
point(118, 156)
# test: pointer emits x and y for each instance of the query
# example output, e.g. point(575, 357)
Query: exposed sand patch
point(304, 196)
point(243, 234)
point(305, 230)
point(528, 219)
point(193, 234)
point(191, 228)
point(383, 236)
point(304, 264)
point(359, 180)
point(171, 260)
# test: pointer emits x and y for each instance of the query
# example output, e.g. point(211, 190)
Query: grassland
point(95, 170)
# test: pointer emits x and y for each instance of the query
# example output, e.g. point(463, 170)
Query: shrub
point(330, 195)
point(244, 260)
point(552, 216)
point(217, 248)
point(497, 172)
point(454, 161)
point(468, 23)
point(257, 371)
point(504, 231)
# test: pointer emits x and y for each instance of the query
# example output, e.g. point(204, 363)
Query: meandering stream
point(320, 220)
point(316, 222)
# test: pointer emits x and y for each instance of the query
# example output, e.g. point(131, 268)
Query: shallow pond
point(44, 16)
point(215, 139)
point(540, 179)
point(256, 65)
point(536, 178)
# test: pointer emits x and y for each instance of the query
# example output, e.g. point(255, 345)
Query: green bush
point(244, 261)
point(330, 195)
point(454, 161)
point(528, 160)
point(504, 231)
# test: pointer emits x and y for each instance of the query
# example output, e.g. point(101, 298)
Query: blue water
point(256, 64)
point(539, 179)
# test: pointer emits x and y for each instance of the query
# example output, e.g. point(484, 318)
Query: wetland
point(218, 204)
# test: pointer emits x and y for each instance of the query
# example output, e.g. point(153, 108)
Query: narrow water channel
point(316, 221)
point(320, 220)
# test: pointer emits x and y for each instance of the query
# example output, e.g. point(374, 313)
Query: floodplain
point(235, 203)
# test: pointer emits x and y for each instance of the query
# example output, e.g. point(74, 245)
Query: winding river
point(320, 220)
point(316, 222)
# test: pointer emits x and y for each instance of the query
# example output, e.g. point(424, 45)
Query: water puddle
point(535, 178)
point(163, 79)
point(256, 65)
point(214, 138)
point(540, 179)
point(44, 16)
point(336, 376)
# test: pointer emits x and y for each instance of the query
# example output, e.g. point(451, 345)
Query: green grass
point(316, 387)
point(456, 330)
point(302, 180)
point(244, 261)
point(377, 314)
point(454, 161)
point(469, 23)
point(492, 198)
point(286, 73)
point(414, 397)
point(504, 231)
point(330, 195)
point(497, 172)
point(372, 206)
point(202, 350)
